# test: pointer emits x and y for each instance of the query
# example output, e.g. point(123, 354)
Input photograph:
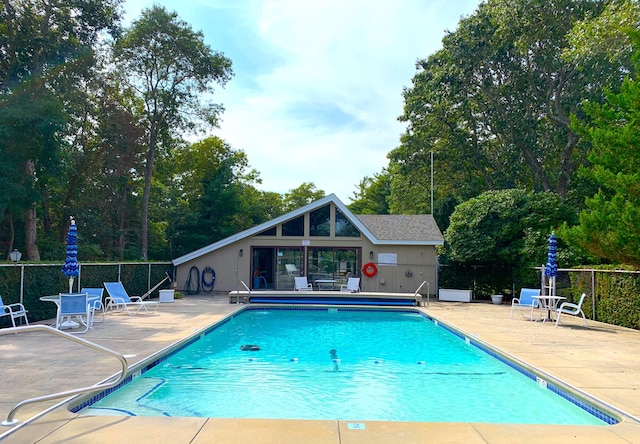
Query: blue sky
point(318, 85)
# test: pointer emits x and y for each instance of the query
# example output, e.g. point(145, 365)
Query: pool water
point(338, 364)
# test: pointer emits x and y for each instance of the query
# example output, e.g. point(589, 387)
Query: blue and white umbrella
point(551, 268)
point(70, 267)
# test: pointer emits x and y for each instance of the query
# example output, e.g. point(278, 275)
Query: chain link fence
point(613, 296)
point(26, 283)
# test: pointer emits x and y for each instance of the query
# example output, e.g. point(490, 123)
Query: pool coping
point(617, 383)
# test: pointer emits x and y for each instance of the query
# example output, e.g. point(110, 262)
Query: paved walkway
point(601, 361)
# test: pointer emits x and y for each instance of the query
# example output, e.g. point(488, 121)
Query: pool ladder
point(418, 296)
point(103, 385)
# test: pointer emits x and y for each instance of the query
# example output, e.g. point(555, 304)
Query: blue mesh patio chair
point(526, 301)
point(118, 299)
point(95, 301)
point(74, 305)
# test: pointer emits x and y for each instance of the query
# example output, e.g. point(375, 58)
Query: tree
point(172, 70)
point(609, 227)
point(301, 196)
point(210, 194)
point(494, 104)
point(506, 232)
point(372, 195)
point(47, 53)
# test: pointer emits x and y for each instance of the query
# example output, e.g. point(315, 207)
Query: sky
point(317, 86)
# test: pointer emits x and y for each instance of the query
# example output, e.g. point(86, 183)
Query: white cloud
point(318, 84)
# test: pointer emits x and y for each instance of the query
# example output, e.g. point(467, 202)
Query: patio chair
point(95, 301)
point(118, 299)
point(301, 284)
point(526, 301)
point(352, 285)
point(573, 310)
point(74, 304)
point(14, 311)
point(292, 270)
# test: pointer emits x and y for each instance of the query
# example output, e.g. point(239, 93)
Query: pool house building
point(324, 242)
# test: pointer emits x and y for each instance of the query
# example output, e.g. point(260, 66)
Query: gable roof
point(378, 229)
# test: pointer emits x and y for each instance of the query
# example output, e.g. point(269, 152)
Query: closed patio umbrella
point(70, 267)
point(551, 268)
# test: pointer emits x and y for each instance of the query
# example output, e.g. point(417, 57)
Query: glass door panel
point(289, 265)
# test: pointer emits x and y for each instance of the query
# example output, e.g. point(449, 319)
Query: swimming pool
point(342, 363)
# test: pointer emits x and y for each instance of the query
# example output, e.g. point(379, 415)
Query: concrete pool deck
point(602, 361)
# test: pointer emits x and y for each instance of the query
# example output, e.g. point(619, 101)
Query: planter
point(166, 295)
point(496, 299)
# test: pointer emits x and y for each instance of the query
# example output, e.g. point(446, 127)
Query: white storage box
point(446, 294)
point(166, 295)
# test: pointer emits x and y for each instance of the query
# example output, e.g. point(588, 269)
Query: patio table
point(321, 282)
point(550, 303)
point(68, 323)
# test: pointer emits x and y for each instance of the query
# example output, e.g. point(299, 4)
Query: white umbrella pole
point(70, 285)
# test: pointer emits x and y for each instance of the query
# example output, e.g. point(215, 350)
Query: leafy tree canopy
point(609, 225)
point(504, 228)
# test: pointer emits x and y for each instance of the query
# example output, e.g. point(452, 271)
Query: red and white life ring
point(370, 269)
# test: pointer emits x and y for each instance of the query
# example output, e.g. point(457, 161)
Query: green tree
point(47, 49)
point(494, 104)
point(210, 194)
point(301, 196)
point(505, 230)
point(172, 70)
point(609, 226)
point(372, 195)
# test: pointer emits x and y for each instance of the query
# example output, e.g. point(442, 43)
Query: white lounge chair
point(14, 311)
point(118, 299)
point(526, 301)
point(74, 304)
point(301, 284)
point(352, 285)
point(95, 301)
point(292, 270)
point(573, 310)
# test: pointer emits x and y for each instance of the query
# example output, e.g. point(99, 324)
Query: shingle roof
point(402, 227)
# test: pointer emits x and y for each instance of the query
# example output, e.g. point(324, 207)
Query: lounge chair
point(74, 304)
point(573, 310)
point(95, 301)
point(14, 311)
point(118, 299)
point(352, 285)
point(526, 301)
point(292, 270)
point(301, 284)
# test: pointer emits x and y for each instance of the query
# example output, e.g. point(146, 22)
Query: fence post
point(593, 294)
point(22, 283)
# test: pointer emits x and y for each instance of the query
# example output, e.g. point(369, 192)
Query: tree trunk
point(122, 239)
point(31, 229)
point(12, 234)
point(148, 173)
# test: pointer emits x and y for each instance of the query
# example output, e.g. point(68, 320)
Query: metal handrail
point(420, 288)
point(15, 330)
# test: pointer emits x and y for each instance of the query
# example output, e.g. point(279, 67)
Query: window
point(332, 263)
point(269, 232)
point(294, 227)
point(344, 228)
point(320, 222)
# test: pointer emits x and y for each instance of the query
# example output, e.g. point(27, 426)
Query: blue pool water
point(339, 364)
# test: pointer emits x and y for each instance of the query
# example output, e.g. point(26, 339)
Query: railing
point(31, 328)
point(417, 292)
